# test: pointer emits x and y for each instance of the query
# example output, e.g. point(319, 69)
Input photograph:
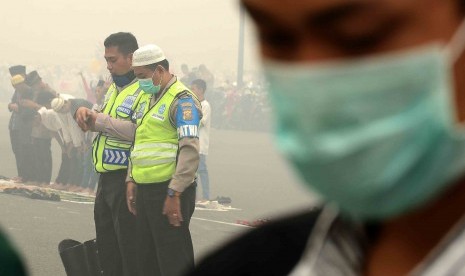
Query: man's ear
point(130, 56)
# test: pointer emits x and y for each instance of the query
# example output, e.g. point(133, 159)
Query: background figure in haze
point(199, 87)
point(23, 123)
point(205, 75)
point(51, 120)
point(71, 138)
point(90, 93)
point(187, 75)
point(368, 98)
point(41, 136)
point(66, 110)
point(14, 125)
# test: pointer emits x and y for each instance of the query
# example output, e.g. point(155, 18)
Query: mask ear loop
point(161, 79)
point(457, 44)
point(151, 78)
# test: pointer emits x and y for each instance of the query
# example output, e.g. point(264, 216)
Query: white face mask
point(377, 136)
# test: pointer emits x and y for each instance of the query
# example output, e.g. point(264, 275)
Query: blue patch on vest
point(162, 109)
point(140, 112)
point(187, 118)
point(128, 101)
point(116, 157)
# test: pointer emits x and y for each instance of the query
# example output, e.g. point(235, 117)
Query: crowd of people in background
point(40, 112)
point(239, 107)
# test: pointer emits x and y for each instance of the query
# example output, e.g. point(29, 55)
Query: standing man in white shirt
point(199, 87)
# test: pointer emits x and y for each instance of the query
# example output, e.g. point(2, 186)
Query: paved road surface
point(242, 165)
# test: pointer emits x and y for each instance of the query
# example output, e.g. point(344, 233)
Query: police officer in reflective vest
point(164, 160)
point(115, 225)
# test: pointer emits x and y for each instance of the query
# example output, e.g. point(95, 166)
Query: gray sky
point(72, 32)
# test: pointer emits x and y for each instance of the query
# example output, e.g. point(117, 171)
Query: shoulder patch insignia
point(187, 113)
point(187, 118)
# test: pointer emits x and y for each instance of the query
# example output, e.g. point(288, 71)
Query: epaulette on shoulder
point(185, 94)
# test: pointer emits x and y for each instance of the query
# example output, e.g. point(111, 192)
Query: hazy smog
point(63, 42)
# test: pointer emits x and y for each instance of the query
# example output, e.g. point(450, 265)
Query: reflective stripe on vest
point(153, 158)
point(111, 153)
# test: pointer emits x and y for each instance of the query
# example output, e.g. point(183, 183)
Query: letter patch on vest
point(140, 113)
point(187, 118)
point(126, 106)
point(116, 157)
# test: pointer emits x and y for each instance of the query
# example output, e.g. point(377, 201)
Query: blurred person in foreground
point(10, 261)
point(199, 87)
point(115, 225)
point(164, 159)
point(369, 100)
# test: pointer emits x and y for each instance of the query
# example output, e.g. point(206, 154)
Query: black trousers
point(70, 169)
point(16, 147)
point(42, 160)
point(63, 174)
point(26, 168)
point(163, 249)
point(115, 226)
point(75, 171)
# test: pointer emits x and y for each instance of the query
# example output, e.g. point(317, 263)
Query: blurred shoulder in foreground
point(272, 249)
point(10, 261)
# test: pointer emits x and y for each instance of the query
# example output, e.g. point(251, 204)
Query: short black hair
point(126, 42)
point(200, 84)
point(164, 63)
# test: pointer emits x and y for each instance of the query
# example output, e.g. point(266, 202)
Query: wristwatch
point(173, 193)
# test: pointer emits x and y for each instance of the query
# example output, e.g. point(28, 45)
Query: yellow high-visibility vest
point(111, 153)
point(153, 158)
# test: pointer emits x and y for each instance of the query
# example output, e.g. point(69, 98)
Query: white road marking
point(80, 202)
point(15, 229)
point(72, 212)
point(222, 222)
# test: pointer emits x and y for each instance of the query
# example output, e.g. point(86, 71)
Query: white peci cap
point(148, 54)
point(57, 104)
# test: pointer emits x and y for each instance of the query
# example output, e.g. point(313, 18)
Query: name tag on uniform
point(124, 110)
point(158, 116)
